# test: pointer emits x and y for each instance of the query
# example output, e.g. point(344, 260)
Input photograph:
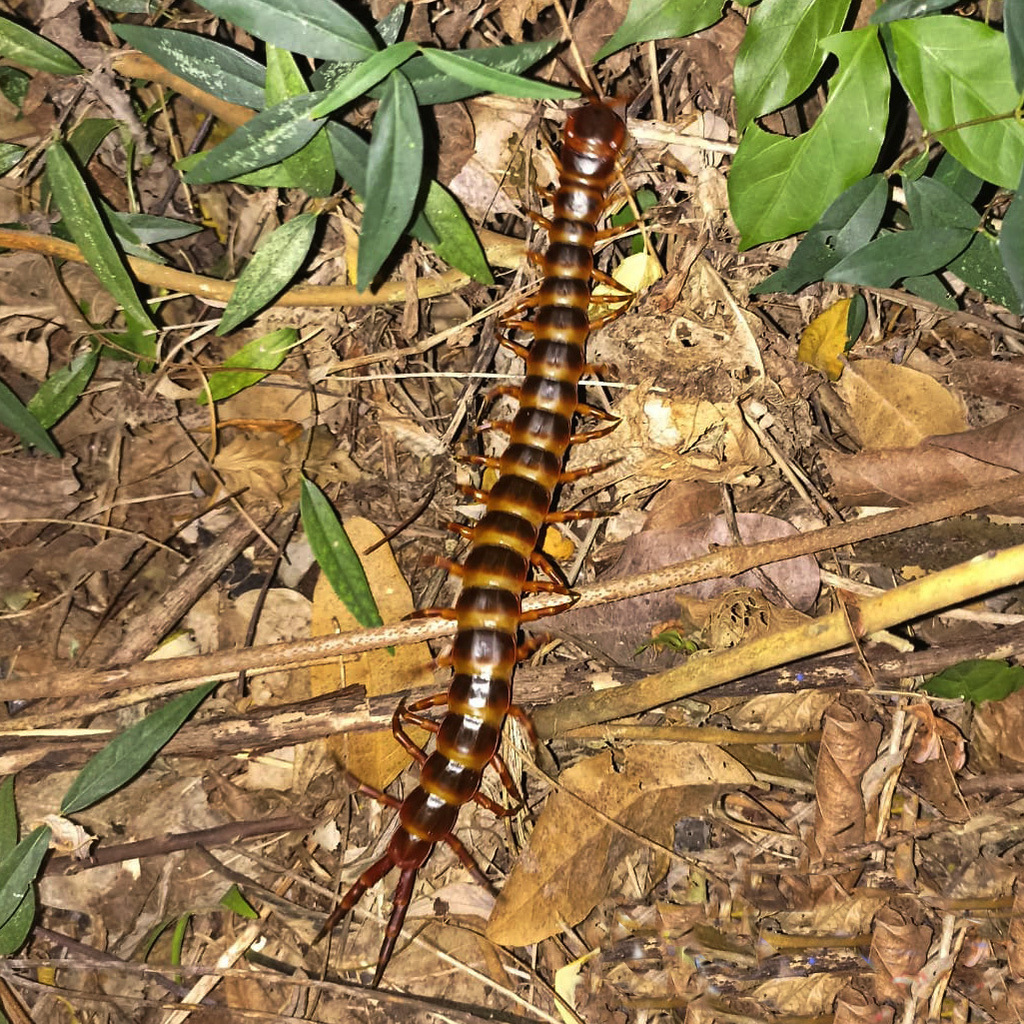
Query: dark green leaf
point(18, 871)
point(150, 230)
point(21, 46)
point(389, 28)
point(890, 257)
point(8, 818)
point(89, 231)
point(856, 317)
point(126, 755)
point(781, 55)
point(781, 185)
point(13, 85)
point(661, 19)
point(930, 287)
point(14, 933)
point(267, 139)
point(275, 262)
point(317, 28)
point(394, 174)
point(59, 392)
point(977, 680)
point(208, 65)
point(934, 205)
point(1011, 242)
point(481, 78)
point(265, 353)
point(238, 904)
point(952, 173)
point(336, 556)
point(86, 137)
point(457, 243)
point(846, 226)
point(980, 265)
point(129, 6)
point(896, 10)
point(363, 77)
point(956, 70)
point(351, 153)
point(16, 417)
point(1013, 26)
point(10, 156)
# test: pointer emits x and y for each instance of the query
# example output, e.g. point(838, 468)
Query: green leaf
point(268, 138)
point(1013, 26)
point(894, 10)
point(208, 65)
point(14, 85)
point(8, 818)
point(781, 185)
point(10, 156)
point(14, 933)
point(780, 54)
point(336, 556)
point(312, 167)
point(126, 755)
point(951, 172)
point(485, 79)
point(900, 254)
point(661, 19)
point(265, 353)
point(956, 70)
point(351, 153)
point(275, 262)
point(389, 28)
point(21, 46)
point(363, 77)
point(457, 243)
point(148, 229)
point(89, 232)
point(59, 392)
point(394, 174)
point(317, 28)
point(16, 417)
point(1011, 242)
point(129, 6)
point(930, 287)
point(18, 871)
point(847, 225)
point(981, 266)
point(433, 86)
point(977, 680)
point(238, 904)
point(934, 205)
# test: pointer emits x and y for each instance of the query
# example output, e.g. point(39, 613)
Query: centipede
point(503, 543)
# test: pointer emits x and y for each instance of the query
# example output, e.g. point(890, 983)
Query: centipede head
point(596, 127)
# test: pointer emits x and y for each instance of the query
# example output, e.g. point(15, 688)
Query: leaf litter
point(861, 871)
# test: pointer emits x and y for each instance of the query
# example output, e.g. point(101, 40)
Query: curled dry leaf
point(618, 630)
point(1015, 936)
point(852, 1007)
point(891, 406)
point(848, 745)
point(899, 949)
point(568, 866)
point(373, 757)
point(997, 735)
point(939, 465)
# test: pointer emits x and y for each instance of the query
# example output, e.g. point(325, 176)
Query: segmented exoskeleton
point(503, 543)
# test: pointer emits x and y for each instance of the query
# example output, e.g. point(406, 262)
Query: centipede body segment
point(503, 543)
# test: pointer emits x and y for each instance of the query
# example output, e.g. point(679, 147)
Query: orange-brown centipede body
point(503, 543)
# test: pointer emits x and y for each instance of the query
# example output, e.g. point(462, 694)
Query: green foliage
point(336, 556)
point(977, 680)
point(30, 50)
point(261, 354)
point(15, 416)
point(965, 81)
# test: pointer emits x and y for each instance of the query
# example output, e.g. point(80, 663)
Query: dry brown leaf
point(936, 467)
point(373, 757)
point(1002, 380)
point(997, 735)
point(573, 853)
point(893, 406)
point(899, 949)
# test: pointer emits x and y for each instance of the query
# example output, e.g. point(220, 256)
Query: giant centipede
point(503, 543)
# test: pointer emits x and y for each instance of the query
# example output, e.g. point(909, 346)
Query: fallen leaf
point(825, 339)
point(893, 406)
point(373, 757)
point(568, 866)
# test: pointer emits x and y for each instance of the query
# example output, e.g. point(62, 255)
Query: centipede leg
point(369, 878)
point(399, 906)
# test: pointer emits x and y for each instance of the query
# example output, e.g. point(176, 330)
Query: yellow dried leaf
point(373, 757)
point(824, 340)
